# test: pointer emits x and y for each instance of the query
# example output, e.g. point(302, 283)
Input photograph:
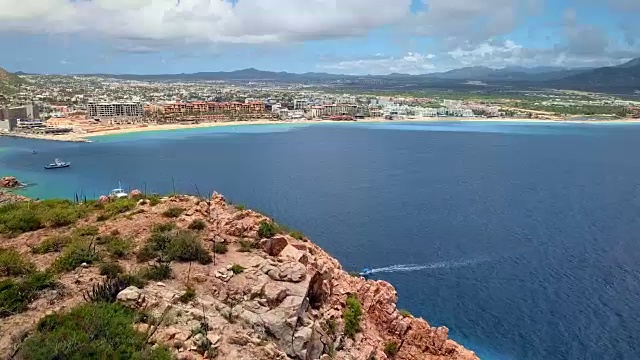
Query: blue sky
point(336, 36)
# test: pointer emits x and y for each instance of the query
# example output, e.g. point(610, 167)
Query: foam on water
point(418, 267)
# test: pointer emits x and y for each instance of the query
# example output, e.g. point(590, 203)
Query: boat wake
point(418, 267)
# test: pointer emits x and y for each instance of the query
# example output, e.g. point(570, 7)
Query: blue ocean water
point(521, 238)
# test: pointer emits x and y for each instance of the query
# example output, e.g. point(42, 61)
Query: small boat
point(365, 272)
point(34, 152)
point(57, 164)
point(118, 193)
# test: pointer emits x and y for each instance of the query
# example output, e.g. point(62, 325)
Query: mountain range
point(624, 78)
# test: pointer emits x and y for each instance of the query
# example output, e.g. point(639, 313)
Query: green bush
point(351, 316)
point(91, 331)
point(186, 246)
point(146, 253)
point(239, 207)
point(153, 200)
point(405, 313)
point(52, 244)
point(220, 248)
point(297, 235)
point(118, 246)
point(116, 207)
point(173, 212)
point(188, 296)
point(237, 269)
point(12, 263)
point(111, 269)
point(391, 349)
point(75, 255)
point(23, 217)
point(198, 225)
point(268, 229)
point(16, 219)
point(174, 245)
point(160, 228)
point(16, 295)
point(157, 272)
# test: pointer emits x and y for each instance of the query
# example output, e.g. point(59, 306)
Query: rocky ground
point(282, 298)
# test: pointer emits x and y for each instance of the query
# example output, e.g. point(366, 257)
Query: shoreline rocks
point(281, 299)
point(10, 182)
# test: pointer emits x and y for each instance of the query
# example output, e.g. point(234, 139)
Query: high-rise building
point(109, 110)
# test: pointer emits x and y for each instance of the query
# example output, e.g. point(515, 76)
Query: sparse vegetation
point(21, 217)
point(116, 207)
point(91, 331)
point(188, 296)
point(186, 246)
point(52, 244)
point(107, 291)
point(391, 349)
point(168, 245)
point(405, 313)
point(75, 255)
point(12, 263)
point(220, 248)
point(268, 229)
point(237, 269)
point(198, 225)
point(246, 245)
point(160, 228)
point(239, 207)
point(154, 200)
point(331, 327)
point(351, 316)
point(157, 272)
point(16, 295)
point(173, 212)
point(111, 269)
point(86, 231)
point(297, 235)
point(118, 247)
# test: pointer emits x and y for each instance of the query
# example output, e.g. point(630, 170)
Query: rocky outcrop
point(10, 182)
point(7, 198)
point(284, 299)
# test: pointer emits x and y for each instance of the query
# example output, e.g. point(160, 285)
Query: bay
point(521, 238)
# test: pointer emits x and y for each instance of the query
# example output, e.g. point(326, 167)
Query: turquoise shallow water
point(521, 238)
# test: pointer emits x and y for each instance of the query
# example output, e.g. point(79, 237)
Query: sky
point(334, 36)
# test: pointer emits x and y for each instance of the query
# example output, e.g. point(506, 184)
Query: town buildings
point(112, 110)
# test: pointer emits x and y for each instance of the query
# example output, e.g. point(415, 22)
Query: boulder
point(290, 252)
point(131, 297)
point(274, 293)
point(9, 182)
point(291, 271)
point(275, 245)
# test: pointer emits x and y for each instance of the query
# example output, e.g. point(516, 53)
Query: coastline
point(86, 137)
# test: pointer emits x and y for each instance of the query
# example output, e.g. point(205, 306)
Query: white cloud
point(464, 21)
point(202, 21)
point(411, 63)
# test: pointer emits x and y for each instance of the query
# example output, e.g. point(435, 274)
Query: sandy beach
point(86, 136)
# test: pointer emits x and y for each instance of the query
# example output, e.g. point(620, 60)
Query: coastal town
point(74, 108)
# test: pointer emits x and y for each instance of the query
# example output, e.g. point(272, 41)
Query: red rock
point(9, 182)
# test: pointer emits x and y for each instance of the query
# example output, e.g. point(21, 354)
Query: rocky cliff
point(264, 294)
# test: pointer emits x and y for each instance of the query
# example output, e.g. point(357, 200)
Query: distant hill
point(9, 83)
point(623, 78)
